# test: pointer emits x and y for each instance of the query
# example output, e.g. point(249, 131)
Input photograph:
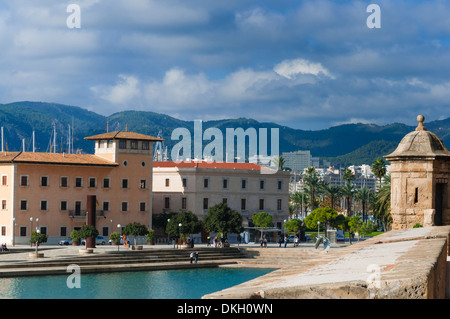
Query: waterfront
point(170, 284)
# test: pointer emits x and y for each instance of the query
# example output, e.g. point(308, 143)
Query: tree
point(293, 225)
point(312, 180)
point(325, 215)
point(333, 193)
point(279, 162)
point(364, 194)
point(135, 229)
point(348, 191)
point(160, 221)
point(189, 224)
point(262, 220)
point(300, 200)
point(355, 223)
point(223, 219)
point(88, 231)
point(379, 168)
point(383, 203)
point(40, 238)
point(348, 176)
point(76, 236)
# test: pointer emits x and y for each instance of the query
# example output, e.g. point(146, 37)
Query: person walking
point(285, 241)
point(196, 257)
point(191, 256)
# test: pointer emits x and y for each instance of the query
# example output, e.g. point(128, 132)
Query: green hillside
point(343, 144)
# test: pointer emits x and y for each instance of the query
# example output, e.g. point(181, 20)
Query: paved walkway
point(20, 253)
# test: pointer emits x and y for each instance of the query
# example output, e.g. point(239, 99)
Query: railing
point(83, 213)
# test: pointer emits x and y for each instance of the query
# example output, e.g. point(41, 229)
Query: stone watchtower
point(420, 170)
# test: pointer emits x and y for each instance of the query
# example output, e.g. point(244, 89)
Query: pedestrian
point(196, 257)
point(191, 256)
point(280, 240)
point(208, 242)
point(238, 239)
point(285, 241)
point(295, 241)
point(265, 242)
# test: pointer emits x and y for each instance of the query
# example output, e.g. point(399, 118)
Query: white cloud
point(291, 68)
point(123, 92)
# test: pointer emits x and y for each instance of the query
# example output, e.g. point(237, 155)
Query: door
point(439, 203)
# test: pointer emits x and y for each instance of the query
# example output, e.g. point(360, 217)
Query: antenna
point(54, 137)
point(34, 142)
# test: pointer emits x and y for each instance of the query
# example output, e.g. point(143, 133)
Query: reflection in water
point(172, 284)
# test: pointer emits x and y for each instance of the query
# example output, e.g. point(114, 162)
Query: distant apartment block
point(297, 161)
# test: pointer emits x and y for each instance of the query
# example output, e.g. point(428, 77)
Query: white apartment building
point(245, 187)
point(297, 161)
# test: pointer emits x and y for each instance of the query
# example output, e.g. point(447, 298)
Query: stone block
point(428, 217)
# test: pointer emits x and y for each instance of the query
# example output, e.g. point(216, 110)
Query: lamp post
point(318, 225)
point(38, 231)
point(14, 231)
point(119, 231)
point(31, 230)
point(179, 226)
point(168, 239)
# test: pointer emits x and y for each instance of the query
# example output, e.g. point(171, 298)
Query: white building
point(297, 161)
point(245, 187)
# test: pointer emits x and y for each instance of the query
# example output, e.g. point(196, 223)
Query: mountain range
point(344, 144)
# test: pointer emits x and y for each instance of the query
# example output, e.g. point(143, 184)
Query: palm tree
point(347, 191)
point(333, 192)
point(363, 195)
point(312, 181)
point(379, 168)
point(348, 176)
point(279, 162)
point(383, 203)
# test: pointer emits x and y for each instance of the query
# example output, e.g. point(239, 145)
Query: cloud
point(307, 64)
point(123, 92)
point(291, 68)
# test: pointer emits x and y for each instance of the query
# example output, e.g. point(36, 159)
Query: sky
point(304, 64)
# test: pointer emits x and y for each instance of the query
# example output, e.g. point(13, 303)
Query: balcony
point(82, 213)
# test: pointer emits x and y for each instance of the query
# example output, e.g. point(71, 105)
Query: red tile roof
point(217, 165)
point(123, 135)
point(54, 158)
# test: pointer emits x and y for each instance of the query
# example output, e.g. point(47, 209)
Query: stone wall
point(400, 264)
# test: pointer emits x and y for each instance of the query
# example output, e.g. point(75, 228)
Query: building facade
point(244, 187)
point(50, 190)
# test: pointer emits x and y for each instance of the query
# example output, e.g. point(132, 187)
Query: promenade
point(400, 264)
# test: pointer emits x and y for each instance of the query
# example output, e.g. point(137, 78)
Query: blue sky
point(305, 64)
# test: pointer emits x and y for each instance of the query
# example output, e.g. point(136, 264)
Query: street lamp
point(119, 231)
point(14, 231)
point(31, 230)
point(38, 231)
point(179, 225)
point(168, 221)
point(318, 225)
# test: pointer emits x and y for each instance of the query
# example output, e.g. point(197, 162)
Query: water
point(167, 284)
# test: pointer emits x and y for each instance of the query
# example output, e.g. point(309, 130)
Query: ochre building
point(50, 190)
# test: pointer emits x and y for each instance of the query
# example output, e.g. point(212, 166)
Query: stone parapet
point(400, 264)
